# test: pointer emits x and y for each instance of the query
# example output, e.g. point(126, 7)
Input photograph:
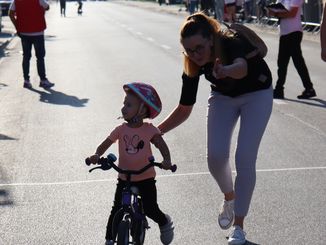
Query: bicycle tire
point(123, 233)
point(138, 231)
point(143, 231)
point(117, 218)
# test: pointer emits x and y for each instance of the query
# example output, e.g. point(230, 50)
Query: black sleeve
point(236, 48)
point(189, 90)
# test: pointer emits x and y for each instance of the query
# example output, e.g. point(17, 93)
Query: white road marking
point(279, 102)
point(158, 176)
point(166, 47)
point(150, 39)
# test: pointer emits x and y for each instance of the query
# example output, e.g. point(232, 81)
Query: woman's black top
point(258, 77)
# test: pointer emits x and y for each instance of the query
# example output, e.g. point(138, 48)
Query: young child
point(134, 138)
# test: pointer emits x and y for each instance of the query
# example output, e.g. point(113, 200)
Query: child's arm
point(101, 149)
point(159, 143)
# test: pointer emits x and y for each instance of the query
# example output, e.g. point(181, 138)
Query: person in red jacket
point(29, 21)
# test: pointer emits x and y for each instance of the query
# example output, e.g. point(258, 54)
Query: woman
point(241, 88)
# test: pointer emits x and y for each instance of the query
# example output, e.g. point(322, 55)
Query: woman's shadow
point(58, 98)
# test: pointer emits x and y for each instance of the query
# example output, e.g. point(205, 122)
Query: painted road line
point(159, 176)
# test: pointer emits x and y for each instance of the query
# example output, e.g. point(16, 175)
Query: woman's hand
point(219, 71)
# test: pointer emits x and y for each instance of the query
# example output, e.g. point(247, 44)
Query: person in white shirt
point(290, 46)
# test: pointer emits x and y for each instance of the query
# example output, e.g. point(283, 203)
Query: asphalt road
point(47, 195)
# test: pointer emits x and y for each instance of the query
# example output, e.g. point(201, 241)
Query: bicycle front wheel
point(123, 233)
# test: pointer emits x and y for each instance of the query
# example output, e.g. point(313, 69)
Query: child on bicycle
point(134, 138)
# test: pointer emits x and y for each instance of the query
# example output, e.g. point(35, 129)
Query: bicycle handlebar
point(107, 162)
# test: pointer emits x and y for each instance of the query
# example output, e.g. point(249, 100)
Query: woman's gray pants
point(254, 110)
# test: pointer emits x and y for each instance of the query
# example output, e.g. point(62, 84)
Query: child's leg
point(149, 195)
point(148, 192)
point(115, 208)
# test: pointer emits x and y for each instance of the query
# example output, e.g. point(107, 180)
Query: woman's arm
point(284, 13)
point(237, 70)
point(177, 117)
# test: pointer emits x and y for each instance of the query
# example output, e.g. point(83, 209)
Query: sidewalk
point(7, 34)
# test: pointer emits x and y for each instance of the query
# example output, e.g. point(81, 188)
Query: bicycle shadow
point(5, 197)
point(5, 137)
point(52, 96)
point(2, 85)
point(313, 102)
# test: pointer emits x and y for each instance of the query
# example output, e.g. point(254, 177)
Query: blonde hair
point(199, 23)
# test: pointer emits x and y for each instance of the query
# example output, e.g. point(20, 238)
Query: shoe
point(307, 93)
point(167, 231)
point(278, 94)
point(226, 215)
point(109, 242)
point(46, 83)
point(237, 236)
point(27, 84)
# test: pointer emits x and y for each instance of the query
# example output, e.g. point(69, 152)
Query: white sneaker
point(167, 232)
point(237, 236)
point(226, 215)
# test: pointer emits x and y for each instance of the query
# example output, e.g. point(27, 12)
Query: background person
point(28, 18)
point(230, 7)
point(323, 36)
point(241, 89)
point(63, 8)
point(290, 47)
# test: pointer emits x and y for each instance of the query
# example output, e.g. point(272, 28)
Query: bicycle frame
point(133, 222)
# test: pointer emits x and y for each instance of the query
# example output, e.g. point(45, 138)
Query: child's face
point(130, 107)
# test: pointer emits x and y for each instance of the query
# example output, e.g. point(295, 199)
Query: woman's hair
point(199, 23)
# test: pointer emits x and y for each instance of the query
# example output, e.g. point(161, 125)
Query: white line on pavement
point(279, 102)
point(166, 47)
point(150, 39)
point(159, 176)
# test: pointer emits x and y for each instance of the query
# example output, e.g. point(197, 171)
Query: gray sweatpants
point(254, 110)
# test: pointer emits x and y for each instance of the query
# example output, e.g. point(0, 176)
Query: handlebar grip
point(112, 157)
point(173, 168)
point(88, 161)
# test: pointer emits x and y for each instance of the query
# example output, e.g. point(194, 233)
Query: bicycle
point(130, 221)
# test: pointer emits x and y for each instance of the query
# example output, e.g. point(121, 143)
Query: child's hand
point(94, 158)
point(166, 164)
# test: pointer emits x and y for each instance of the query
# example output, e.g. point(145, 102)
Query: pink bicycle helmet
point(148, 95)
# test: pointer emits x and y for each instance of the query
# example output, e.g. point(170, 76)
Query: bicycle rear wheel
point(123, 233)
